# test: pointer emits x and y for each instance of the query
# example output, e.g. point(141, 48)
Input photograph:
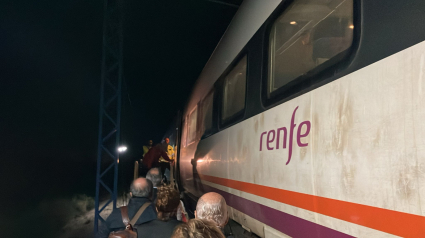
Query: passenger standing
point(197, 228)
point(140, 192)
point(147, 147)
point(212, 206)
point(151, 159)
point(170, 152)
point(143, 170)
point(155, 176)
point(167, 203)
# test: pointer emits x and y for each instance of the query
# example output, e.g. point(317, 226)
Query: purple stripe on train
point(290, 225)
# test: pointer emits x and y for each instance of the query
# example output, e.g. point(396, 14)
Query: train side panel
point(361, 162)
point(343, 157)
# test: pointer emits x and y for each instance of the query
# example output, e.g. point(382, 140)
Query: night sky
point(50, 65)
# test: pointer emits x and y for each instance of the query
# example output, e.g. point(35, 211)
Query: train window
point(191, 135)
point(234, 90)
point(207, 112)
point(184, 132)
point(307, 34)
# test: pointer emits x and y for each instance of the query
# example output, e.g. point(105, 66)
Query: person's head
point(167, 201)
point(155, 176)
point(167, 140)
point(213, 207)
point(141, 187)
point(197, 228)
point(150, 142)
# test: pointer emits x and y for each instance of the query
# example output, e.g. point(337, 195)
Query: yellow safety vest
point(170, 153)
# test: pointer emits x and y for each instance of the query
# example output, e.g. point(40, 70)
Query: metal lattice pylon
point(110, 107)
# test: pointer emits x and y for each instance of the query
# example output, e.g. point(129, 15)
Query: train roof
point(247, 20)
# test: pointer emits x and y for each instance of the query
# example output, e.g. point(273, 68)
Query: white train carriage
point(309, 118)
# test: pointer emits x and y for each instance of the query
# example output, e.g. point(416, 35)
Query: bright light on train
point(293, 23)
point(122, 149)
point(351, 27)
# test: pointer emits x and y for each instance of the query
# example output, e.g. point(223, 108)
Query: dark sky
point(50, 61)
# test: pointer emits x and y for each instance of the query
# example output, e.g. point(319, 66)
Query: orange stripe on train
point(389, 221)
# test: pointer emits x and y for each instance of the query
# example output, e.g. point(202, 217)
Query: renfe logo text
point(272, 135)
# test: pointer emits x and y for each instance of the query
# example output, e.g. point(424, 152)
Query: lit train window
point(307, 34)
point(207, 111)
point(234, 90)
point(191, 135)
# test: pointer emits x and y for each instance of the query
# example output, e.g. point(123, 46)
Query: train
point(309, 119)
